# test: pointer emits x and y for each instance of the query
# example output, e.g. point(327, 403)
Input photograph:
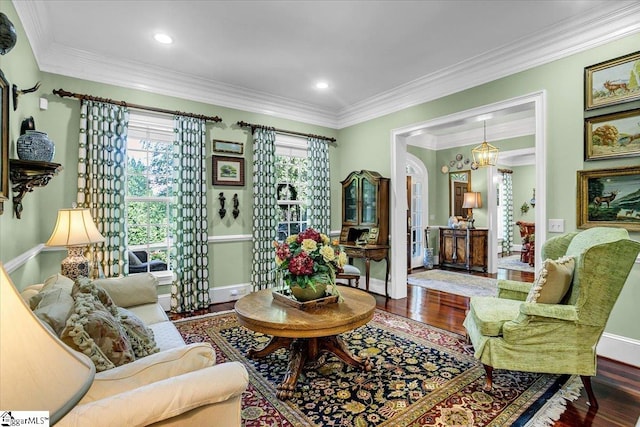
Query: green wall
point(362, 146)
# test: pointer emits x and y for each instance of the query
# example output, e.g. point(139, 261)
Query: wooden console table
point(464, 248)
point(306, 333)
point(368, 253)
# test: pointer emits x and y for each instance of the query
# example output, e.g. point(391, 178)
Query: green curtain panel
point(189, 226)
point(101, 179)
point(507, 206)
point(320, 191)
point(264, 208)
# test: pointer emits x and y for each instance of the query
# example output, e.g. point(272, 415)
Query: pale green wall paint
point(524, 178)
point(563, 82)
point(362, 146)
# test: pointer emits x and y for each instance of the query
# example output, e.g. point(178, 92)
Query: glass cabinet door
point(351, 202)
point(369, 202)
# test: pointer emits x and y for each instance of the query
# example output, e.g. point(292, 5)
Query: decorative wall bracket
point(236, 204)
point(222, 211)
point(26, 175)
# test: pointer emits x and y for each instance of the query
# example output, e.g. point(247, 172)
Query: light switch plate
point(556, 225)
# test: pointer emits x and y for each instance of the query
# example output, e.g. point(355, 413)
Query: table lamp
point(470, 201)
point(75, 230)
point(38, 371)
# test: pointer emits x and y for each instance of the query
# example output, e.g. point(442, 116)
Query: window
point(292, 189)
point(149, 190)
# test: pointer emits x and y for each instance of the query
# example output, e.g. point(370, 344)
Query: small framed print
point(228, 171)
point(612, 135)
point(230, 147)
point(612, 82)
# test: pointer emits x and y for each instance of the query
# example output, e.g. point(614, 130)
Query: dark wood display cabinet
point(365, 218)
point(464, 248)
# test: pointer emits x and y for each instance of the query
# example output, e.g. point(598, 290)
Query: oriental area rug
point(422, 376)
point(466, 285)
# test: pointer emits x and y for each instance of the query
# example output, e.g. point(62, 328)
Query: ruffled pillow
point(553, 281)
point(94, 331)
point(141, 337)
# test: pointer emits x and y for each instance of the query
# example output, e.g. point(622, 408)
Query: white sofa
point(179, 385)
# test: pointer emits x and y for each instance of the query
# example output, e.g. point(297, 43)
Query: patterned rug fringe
point(554, 407)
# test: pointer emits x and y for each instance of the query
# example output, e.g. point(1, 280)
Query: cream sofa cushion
point(131, 290)
point(147, 370)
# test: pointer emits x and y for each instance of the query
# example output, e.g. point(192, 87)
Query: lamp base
point(75, 264)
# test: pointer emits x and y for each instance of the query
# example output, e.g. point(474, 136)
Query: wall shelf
point(28, 174)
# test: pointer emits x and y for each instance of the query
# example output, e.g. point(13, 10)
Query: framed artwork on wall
point(231, 147)
point(228, 171)
point(4, 142)
point(612, 82)
point(609, 197)
point(612, 135)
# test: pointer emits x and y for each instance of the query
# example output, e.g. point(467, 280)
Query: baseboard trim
point(619, 348)
point(217, 295)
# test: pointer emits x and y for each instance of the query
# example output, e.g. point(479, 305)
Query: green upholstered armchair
point(509, 333)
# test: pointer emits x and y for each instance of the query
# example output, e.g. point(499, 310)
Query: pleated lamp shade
point(38, 372)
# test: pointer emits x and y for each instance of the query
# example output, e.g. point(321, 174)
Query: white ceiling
point(266, 56)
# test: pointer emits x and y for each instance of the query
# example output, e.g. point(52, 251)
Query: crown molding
point(575, 35)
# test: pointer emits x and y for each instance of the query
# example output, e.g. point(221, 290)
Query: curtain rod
point(62, 93)
point(290, 132)
point(505, 171)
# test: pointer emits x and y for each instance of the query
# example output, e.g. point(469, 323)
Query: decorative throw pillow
point(141, 337)
point(53, 308)
point(553, 281)
point(87, 286)
point(93, 330)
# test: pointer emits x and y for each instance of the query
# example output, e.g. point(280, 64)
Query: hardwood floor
point(617, 386)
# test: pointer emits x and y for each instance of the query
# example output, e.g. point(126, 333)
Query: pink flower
point(309, 233)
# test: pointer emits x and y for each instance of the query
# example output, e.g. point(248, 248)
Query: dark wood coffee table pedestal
point(306, 333)
point(303, 350)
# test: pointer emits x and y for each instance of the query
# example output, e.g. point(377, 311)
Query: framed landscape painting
point(612, 135)
point(612, 82)
point(228, 171)
point(227, 146)
point(609, 197)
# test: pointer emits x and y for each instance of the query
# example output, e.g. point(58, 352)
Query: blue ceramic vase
point(35, 145)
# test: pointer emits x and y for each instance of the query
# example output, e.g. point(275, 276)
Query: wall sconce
point(222, 212)
point(236, 204)
point(533, 199)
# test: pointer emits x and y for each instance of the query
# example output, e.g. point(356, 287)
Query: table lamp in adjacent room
point(470, 201)
point(74, 229)
point(38, 371)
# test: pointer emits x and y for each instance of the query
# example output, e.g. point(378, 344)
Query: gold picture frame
point(231, 147)
point(612, 82)
point(609, 197)
point(228, 171)
point(612, 135)
point(4, 142)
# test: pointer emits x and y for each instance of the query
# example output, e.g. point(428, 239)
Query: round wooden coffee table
point(305, 332)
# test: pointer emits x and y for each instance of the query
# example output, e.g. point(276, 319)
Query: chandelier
point(485, 154)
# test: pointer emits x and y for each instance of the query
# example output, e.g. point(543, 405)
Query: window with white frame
point(149, 190)
point(292, 179)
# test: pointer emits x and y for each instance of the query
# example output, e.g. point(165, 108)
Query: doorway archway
point(399, 142)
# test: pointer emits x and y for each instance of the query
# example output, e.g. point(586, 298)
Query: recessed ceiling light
point(163, 38)
point(322, 85)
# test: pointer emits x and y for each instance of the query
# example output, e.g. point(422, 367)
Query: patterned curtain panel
point(101, 179)
point(189, 226)
point(507, 206)
point(264, 208)
point(320, 191)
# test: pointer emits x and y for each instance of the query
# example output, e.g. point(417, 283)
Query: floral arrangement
point(308, 258)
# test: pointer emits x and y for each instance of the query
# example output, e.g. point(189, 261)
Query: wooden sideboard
point(464, 248)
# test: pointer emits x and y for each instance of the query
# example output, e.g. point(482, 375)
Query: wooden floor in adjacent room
point(617, 386)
